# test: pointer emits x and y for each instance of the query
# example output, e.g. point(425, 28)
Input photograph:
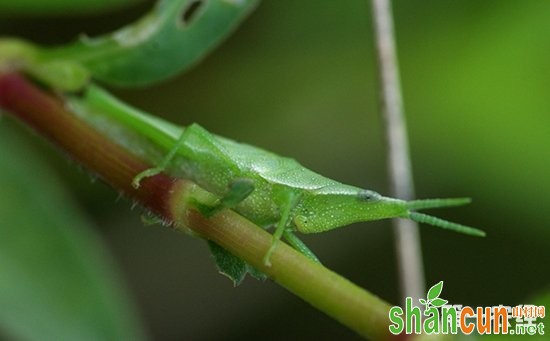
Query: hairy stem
point(166, 196)
point(407, 239)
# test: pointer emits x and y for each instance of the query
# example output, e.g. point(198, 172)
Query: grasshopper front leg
point(182, 146)
point(239, 189)
point(288, 202)
point(163, 164)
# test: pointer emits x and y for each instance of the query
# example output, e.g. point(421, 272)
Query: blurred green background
point(298, 78)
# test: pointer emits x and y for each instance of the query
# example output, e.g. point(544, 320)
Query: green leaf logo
point(433, 300)
point(435, 291)
point(438, 302)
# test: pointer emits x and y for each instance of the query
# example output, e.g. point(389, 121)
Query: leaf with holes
point(174, 36)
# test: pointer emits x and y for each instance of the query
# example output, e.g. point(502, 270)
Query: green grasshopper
point(268, 189)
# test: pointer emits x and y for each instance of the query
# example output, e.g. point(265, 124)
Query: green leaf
point(435, 291)
point(56, 281)
point(173, 36)
point(60, 7)
point(438, 302)
point(423, 301)
point(233, 267)
point(255, 273)
point(228, 265)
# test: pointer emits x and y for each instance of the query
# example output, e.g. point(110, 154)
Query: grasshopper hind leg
point(191, 135)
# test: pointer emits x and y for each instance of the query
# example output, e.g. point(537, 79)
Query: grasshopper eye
point(366, 195)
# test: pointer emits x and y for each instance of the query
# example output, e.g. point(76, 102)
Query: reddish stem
point(47, 115)
point(164, 195)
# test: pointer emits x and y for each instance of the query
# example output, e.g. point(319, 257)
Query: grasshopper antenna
point(437, 203)
point(428, 219)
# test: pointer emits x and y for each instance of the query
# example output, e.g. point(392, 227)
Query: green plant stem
point(406, 235)
point(166, 196)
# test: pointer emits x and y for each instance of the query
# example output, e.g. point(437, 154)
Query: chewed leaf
point(173, 36)
point(228, 265)
point(438, 302)
point(435, 291)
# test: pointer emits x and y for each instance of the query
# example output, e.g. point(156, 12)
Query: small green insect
point(268, 189)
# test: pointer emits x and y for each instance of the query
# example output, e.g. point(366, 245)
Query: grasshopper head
point(335, 206)
point(331, 207)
